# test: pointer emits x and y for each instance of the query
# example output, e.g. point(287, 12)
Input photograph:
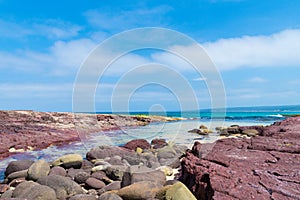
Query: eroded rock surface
point(263, 167)
point(26, 130)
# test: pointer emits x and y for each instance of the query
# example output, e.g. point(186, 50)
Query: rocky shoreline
point(263, 167)
point(259, 163)
point(30, 130)
point(136, 171)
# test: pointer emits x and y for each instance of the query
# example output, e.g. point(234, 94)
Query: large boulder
point(69, 161)
point(93, 183)
point(177, 191)
point(263, 167)
point(134, 144)
point(102, 152)
point(38, 169)
point(64, 187)
point(140, 191)
point(34, 191)
point(19, 165)
point(138, 173)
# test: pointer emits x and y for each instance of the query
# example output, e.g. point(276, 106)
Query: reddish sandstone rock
point(141, 143)
point(263, 167)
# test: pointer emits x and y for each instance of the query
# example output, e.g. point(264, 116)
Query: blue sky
point(254, 44)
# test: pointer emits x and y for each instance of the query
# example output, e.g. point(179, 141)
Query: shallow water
point(176, 132)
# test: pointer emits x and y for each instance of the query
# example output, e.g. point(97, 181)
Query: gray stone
point(57, 170)
point(64, 187)
point(19, 165)
point(18, 174)
point(137, 173)
point(34, 191)
point(68, 161)
point(115, 172)
point(93, 183)
point(81, 177)
point(38, 169)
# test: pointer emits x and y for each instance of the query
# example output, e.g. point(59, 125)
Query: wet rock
point(64, 187)
point(19, 165)
point(141, 143)
point(38, 169)
point(137, 173)
point(109, 196)
point(69, 161)
point(83, 197)
point(94, 183)
point(140, 191)
point(34, 191)
point(58, 171)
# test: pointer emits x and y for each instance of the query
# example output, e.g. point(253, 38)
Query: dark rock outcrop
point(263, 167)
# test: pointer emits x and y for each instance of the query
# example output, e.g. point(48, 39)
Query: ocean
point(176, 132)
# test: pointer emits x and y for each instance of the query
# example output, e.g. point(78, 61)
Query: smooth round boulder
point(93, 183)
point(57, 170)
point(69, 161)
point(16, 166)
point(81, 177)
point(64, 187)
point(34, 191)
point(140, 191)
point(38, 169)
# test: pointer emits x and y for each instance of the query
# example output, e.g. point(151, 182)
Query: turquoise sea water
point(176, 132)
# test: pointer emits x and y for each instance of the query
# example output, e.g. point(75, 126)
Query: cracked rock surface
point(263, 167)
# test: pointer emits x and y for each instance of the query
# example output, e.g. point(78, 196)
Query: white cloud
point(115, 21)
point(276, 50)
point(52, 29)
point(256, 80)
point(61, 57)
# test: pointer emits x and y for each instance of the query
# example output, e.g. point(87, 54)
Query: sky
point(254, 45)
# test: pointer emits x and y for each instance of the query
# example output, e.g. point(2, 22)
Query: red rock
point(133, 144)
point(263, 167)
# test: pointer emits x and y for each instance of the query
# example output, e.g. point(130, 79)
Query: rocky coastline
point(258, 163)
point(265, 166)
point(31, 130)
